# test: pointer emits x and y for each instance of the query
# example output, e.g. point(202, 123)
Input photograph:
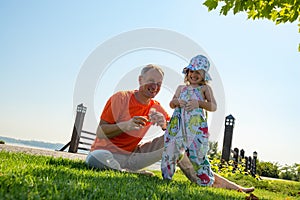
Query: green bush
point(267, 169)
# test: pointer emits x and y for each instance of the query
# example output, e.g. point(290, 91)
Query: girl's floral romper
point(187, 133)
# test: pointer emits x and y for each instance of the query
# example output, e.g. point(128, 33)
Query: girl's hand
point(192, 104)
point(182, 103)
point(176, 102)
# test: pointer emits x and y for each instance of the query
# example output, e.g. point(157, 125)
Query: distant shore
point(31, 143)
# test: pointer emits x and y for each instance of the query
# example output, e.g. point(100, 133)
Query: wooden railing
point(81, 139)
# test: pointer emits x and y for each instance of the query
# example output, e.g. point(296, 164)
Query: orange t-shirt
point(122, 106)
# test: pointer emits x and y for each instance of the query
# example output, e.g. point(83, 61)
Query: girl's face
point(196, 77)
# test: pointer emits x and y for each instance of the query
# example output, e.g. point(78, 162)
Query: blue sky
point(44, 45)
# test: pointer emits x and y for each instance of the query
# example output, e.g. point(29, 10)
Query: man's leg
point(102, 159)
point(146, 154)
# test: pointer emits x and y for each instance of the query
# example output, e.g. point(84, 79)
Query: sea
point(31, 143)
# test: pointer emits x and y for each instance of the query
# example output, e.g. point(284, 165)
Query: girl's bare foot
point(246, 190)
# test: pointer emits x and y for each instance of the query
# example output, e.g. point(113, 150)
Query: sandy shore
point(44, 152)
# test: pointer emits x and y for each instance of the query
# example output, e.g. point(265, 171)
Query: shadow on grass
point(76, 164)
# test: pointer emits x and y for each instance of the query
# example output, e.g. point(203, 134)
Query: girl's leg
point(197, 153)
point(187, 168)
point(221, 182)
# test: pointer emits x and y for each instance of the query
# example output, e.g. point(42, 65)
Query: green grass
point(24, 176)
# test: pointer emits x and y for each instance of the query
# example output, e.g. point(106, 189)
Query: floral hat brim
point(197, 63)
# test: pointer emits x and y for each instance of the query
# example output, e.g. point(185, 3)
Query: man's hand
point(158, 119)
point(135, 123)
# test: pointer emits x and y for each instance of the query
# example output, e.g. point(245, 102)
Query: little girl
point(187, 131)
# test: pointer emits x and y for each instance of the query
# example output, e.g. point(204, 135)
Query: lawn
point(24, 176)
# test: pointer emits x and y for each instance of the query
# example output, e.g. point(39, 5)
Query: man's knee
point(102, 159)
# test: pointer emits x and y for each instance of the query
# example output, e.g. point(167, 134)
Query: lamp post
point(229, 125)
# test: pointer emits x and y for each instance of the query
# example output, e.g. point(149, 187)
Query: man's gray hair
point(150, 67)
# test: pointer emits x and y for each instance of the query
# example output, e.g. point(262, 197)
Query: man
point(125, 119)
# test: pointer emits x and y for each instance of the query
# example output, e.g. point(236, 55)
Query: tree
point(279, 11)
point(290, 172)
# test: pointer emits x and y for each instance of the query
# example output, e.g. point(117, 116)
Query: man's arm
point(107, 130)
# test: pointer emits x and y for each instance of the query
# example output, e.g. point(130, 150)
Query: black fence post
point(249, 164)
point(235, 158)
point(242, 153)
point(81, 110)
point(229, 125)
point(236, 154)
point(242, 158)
point(253, 169)
point(246, 164)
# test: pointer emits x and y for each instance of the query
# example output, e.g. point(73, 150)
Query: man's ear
point(140, 80)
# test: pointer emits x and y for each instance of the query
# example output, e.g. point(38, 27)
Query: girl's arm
point(209, 103)
point(176, 102)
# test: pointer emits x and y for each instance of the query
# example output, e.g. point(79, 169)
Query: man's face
point(150, 83)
